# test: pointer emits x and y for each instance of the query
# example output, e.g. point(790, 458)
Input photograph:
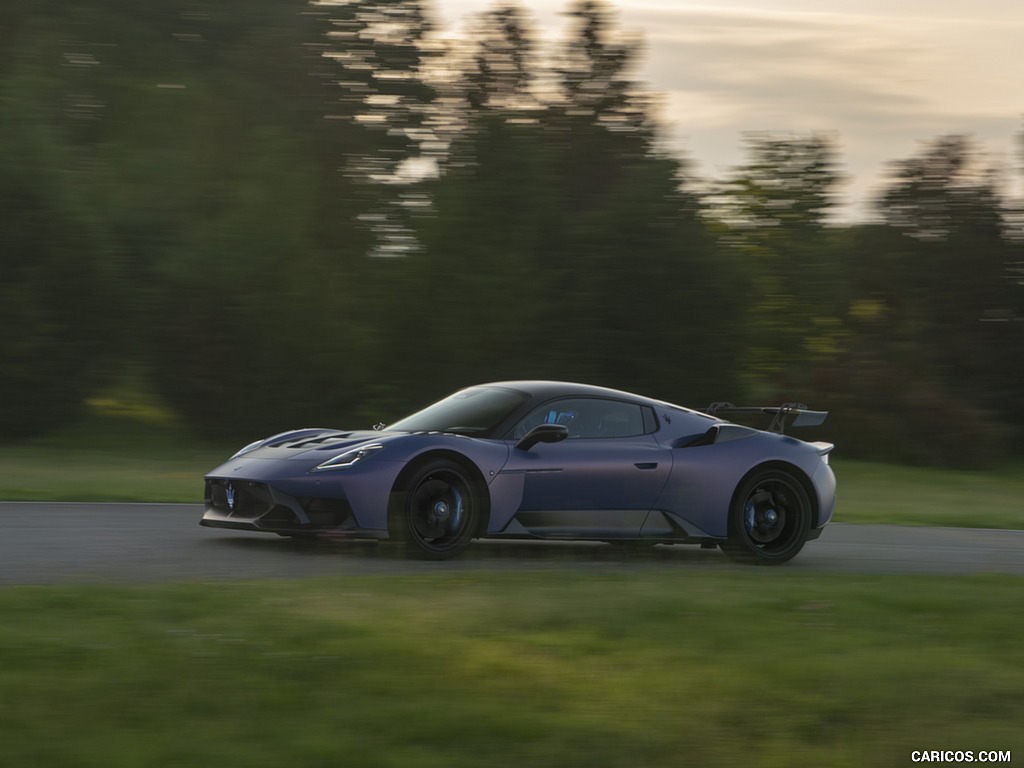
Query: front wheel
point(438, 513)
point(769, 519)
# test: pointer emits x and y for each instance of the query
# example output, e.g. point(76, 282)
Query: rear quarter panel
point(704, 478)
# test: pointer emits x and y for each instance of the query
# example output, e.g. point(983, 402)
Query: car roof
point(544, 390)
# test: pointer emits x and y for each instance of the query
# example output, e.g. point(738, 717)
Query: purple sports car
point(540, 460)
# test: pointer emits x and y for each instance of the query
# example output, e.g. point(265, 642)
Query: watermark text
point(960, 756)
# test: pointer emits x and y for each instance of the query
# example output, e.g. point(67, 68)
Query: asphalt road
point(50, 543)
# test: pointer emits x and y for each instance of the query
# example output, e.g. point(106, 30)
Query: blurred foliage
point(775, 210)
point(291, 213)
point(51, 273)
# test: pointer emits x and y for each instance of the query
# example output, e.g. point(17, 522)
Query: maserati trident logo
point(230, 490)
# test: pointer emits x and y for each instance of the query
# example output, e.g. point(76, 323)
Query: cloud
point(812, 70)
point(883, 82)
point(959, 66)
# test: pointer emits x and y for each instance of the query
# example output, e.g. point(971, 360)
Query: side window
point(650, 420)
point(588, 418)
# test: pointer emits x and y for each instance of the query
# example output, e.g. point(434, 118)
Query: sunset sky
point(882, 75)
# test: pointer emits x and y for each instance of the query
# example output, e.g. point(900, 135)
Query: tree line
point(286, 214)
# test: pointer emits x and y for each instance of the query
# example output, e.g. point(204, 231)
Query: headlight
point(249, 447)
point(349, 458)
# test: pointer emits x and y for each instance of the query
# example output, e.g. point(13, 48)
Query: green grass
point(55, 473)
point(881, 493)
point(110, 458)
point(513, 669)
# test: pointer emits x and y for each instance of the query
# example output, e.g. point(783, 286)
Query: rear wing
point(782, 417)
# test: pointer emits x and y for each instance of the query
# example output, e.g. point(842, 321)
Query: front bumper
point(255, 506)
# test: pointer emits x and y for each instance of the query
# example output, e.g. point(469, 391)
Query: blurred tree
point(949, 288)
point(259, 252)
point(382, 108)
point(501, 72)
point(595, 72)
point(562, 242)
point(194, 189)
point(945, 204)
point(776, 207)
point(931, 355)
point(195, 137)
point(646, 287)
point(53, 324)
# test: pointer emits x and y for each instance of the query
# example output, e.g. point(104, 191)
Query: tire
point(769, 519)
point(438, 513)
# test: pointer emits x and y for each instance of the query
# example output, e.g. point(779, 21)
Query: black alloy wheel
point(769, 519)
point(439, 512)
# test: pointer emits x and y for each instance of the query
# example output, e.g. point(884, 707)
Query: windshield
point(473, 411)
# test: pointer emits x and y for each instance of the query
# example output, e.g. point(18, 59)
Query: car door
point(600, 481)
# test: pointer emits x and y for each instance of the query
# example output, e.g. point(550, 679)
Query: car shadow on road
point(489, 551)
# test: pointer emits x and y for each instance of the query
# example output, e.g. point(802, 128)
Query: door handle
point(646, 465)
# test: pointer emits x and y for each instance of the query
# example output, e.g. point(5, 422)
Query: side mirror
point(543, 433)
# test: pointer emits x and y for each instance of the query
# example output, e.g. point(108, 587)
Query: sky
point(882, 76)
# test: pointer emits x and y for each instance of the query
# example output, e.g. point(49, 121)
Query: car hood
point(315, 445)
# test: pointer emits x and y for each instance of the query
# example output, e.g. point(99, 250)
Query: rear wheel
point(439, 512)
point(769, 519)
